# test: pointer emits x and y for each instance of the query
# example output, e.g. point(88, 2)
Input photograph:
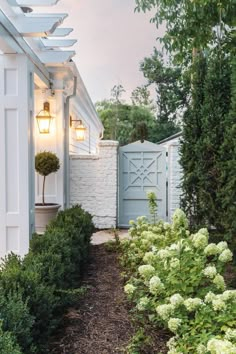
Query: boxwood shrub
point(33, 289)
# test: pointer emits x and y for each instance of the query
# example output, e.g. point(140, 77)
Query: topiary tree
point(46, 162)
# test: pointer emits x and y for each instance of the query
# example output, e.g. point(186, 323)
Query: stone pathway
point(103, 236)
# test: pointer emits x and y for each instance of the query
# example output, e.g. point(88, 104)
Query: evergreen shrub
point(33, 289)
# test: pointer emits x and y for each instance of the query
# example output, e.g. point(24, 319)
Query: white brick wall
point(174, 179)
point(93, 183)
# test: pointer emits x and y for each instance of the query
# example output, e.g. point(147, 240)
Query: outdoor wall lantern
point(80, 129)
point(44, 119)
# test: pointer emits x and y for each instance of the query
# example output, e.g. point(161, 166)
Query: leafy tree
point(141, 97)
point(171, 85)
point(128, 118)
point(191, 25)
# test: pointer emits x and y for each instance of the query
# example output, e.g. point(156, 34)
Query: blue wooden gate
point(142, 169)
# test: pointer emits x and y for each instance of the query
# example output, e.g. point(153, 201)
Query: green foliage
point(172, 86)
point(25, 278)
point(227, 167)
point(141, 97)
point(8, 344)
point(207, 149)
point(138, 342)
point(121, 121)
point(46, 162)
point(190, 147)
point(175, 280)
point(152, 204)
point(15, 318)
point(34, 290)
point(191, 24)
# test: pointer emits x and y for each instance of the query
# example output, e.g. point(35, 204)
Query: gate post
point(107, 184)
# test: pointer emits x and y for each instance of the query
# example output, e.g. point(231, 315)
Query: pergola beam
point(57, 43)
point(51, 57)
point(32, 3)
point(38, 25)
point(61, 32)
point(19, 44)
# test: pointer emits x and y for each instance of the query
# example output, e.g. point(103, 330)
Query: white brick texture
point(93, 183)
point(174, 179)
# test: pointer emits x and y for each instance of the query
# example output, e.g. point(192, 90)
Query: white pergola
point(35, 66)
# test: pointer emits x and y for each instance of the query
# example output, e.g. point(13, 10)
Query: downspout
point(66, 145)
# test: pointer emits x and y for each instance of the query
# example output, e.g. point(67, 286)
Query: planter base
point(43, 215)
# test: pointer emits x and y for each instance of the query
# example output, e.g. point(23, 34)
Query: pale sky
point(112, 40)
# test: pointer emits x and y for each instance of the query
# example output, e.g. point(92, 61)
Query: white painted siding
point(16, 153)
point(81, 107)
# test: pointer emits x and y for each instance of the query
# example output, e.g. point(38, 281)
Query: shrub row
point(176, 280)
point(33, 289)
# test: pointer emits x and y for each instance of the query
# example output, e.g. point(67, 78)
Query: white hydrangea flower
point(229, 295)
point(171, 342)
point(146, 271)
point(165, 311)
point(210, 272)
point(155, 285)
point(192, 304)
point(211, 249)
point(144, 242)
point(129, 289)
point(163, 254)
point(222, 246)
point(141, 218)
point(218, 304)
point(179, 219)
point(200, 239)
point(149, 257)
point(218, 346)
point(201, 349)
point(143, 303)
point(173, 324)
point(166, 226)
point(131, 222)
point(226, 256)
point(154, 249)
point(174, 263)
point(176, 300)
point(219, 282)
point(210, 296)
point(176, 247)
point(230, 334)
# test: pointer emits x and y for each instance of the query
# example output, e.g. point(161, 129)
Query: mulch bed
point(101, 323)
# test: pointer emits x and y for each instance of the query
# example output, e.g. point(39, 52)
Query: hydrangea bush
point(176, 280)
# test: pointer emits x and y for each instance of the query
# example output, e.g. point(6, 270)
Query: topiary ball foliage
point(46, 162)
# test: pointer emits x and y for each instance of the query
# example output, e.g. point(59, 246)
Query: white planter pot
point(43, 215)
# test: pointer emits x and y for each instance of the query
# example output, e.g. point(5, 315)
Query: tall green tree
point(227, 166)
point(190, 25)
point(190, 146)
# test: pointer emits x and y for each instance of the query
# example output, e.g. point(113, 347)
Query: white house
point(36, 67)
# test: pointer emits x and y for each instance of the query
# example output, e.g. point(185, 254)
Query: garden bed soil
point(100, 323)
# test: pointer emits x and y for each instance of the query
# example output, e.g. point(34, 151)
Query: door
point(142, 169)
